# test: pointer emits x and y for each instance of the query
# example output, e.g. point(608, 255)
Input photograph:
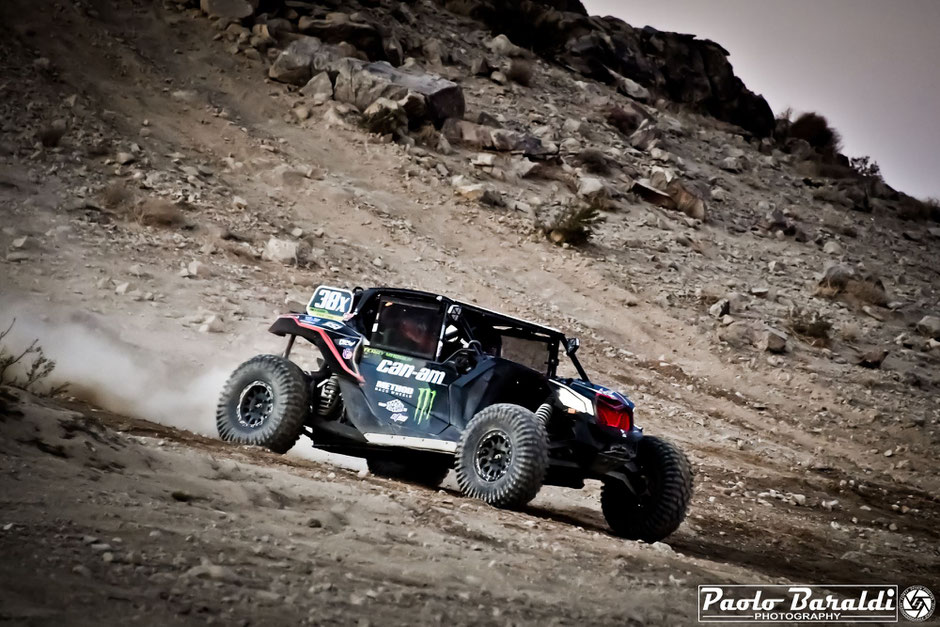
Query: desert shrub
point(624, 121)
point(27, 368)
point(594, 161)
point(160, 212)
point(934, 205)
point(866, 167)
point(870, 290)
point(850, 332)
point(115, 195)
point(815, 130)
point(915, 210)
point(570, 224)
point(427, 135)
point(826, 169)
point(860, 287)
point(520, 71)
point(813, 328)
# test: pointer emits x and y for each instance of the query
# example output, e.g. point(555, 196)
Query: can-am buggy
point(418, 384)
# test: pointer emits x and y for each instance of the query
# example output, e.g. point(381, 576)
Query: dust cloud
point(107, 371)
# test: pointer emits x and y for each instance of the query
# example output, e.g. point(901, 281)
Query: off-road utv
point(418, 384)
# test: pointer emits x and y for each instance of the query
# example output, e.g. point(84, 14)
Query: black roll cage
point(455, 312)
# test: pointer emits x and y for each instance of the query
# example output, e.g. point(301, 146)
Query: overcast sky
point(872, 67)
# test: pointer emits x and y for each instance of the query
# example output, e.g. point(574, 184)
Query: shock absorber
point(544, 413)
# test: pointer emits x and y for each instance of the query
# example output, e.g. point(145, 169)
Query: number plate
point(330, 302)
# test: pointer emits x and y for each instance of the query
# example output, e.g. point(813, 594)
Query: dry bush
point(594, 161)
point(571, 224)
point(815, 130)
point(32, 363)
point(866, 167)
point(552, 172)
point(870, 290)
point(624, 121)
point(115, 196)
point(910, 208)
point(160, 212)
point(813, 328)
point(826, 169)
point(521, 71)
point(850, 332)
point(840, 280)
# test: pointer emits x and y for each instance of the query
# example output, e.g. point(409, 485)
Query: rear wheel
point(264, 403)
point(427, 472)
point(665, 486)
point(502, 456)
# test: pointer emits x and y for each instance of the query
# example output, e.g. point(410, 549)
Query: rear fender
point(340, 345)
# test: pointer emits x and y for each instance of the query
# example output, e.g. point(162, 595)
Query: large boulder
point(489, 138)
point(929, 326)
point(687, 201)
point(281, 250)
point(307, 56)
point(363, 85)
point(294, 64)
point(338, 27)
point(319, 88)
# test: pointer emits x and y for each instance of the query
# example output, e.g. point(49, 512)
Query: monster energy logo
point(425, 403)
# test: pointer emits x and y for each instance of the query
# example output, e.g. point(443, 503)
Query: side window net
point(532, 353)
point(409, 328)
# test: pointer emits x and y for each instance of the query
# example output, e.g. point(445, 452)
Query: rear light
point(613, 412)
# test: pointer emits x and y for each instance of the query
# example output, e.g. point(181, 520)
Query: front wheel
point(264, 403)
point(502, 456)
point(664, 486)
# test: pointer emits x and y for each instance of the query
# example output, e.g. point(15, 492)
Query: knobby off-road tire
point(264, 403)
point(502, 456)
point(658, 512)
point(426, 472)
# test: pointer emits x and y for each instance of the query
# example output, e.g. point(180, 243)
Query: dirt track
point(761, 435)
point(114, 521)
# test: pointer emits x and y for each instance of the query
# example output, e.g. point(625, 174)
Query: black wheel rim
point(493, 455)
point(255, 404)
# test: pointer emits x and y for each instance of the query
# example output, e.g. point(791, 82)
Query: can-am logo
point(407, 371)
point(799, 604)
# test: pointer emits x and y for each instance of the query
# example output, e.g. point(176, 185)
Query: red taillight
point(613, 413)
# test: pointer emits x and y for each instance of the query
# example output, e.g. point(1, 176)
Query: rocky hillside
point(171, 174)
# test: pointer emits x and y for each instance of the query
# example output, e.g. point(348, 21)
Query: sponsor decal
point(830, 603)
point(330, 302)
point(385, 354)
point(347, 353)
point(408, 371)
point(329, 324)
point(345, 342)
point(398, 417)
point(394, 389)
point(426, 398)
point(917, 603)
point(395, 406)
